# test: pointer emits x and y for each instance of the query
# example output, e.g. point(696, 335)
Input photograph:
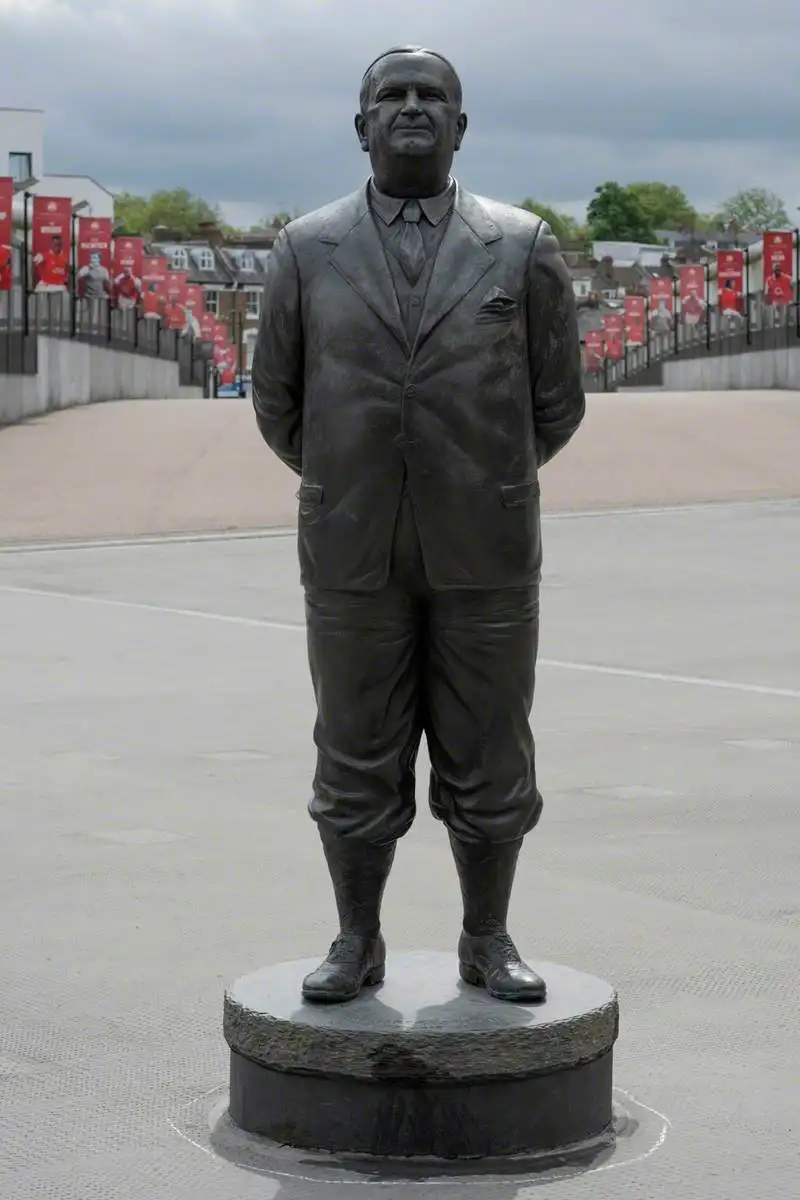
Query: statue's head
point(410, 116)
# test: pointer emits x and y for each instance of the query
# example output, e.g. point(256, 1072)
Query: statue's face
point(413, 110)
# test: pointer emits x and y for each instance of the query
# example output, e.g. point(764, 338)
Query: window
point(180, 259)
point(20, 166)
point(205, 260)
point(254, 305)
point(212, 302)
point(246, 261)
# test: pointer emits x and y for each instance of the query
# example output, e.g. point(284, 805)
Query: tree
point(562, 225)
point(178, 210)
point(665, 205)
point(615, 214)
point(754, 210)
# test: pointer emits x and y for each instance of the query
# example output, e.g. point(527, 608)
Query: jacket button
point(410, 392)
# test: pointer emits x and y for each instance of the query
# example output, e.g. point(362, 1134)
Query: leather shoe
point(353, 962)
point(493, 962)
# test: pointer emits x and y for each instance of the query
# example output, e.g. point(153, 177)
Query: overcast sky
point(251, 102)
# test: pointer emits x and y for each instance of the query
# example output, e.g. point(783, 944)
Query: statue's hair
point(367, 79)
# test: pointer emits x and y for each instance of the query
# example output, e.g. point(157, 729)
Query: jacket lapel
point(462, 260)
point(359, 257)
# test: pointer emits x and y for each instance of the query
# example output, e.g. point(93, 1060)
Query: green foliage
point(665, 206)
point(275, 221)
point(178, 210)
point(615, 214)
point(563, 226)
point(754, 210)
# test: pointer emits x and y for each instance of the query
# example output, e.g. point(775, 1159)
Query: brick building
point(229, 269)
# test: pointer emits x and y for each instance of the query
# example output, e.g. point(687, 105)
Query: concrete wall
point(73, 373)
point(734, 372)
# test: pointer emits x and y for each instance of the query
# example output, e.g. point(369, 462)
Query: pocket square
point(497, 303)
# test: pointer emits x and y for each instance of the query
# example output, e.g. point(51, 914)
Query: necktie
point(410, 252)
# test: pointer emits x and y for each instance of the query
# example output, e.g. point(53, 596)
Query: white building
point(22, 157)
point(630, 254)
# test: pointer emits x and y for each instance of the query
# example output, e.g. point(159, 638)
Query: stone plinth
point(424, 1065)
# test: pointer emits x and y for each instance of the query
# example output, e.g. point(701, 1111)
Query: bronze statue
point(417, 363)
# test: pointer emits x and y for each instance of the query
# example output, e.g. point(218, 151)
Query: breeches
point(456, 665)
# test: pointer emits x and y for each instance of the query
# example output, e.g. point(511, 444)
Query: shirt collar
point(435, 208)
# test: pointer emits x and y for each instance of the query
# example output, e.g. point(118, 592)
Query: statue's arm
point(559, 403)
point(277, 372)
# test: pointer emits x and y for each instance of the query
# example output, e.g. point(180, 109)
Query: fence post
point(26, 319)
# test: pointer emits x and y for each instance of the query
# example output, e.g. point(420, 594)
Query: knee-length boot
point(487, 956)
point(357, 957)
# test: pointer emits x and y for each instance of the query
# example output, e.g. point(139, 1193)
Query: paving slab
point(155, 759)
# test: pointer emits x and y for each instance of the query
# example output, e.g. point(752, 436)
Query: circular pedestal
point(424, 1065)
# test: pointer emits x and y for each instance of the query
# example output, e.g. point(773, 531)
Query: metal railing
point(98, 322)
point(760, 327)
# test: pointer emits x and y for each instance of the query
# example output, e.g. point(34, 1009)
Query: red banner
point(175, 307)
point(220, 334)
point(614, 331)
point(195, 306)
point(693, 294)
point(778, 268)
point(594, 350)
point(635, 320)
point(155, 270)
point(730, 280)
point(50, 239)
point(661, 295)
point(225, 362)
point(208, 326)
point(128, 259)
point(6, 259)
point(94, 257)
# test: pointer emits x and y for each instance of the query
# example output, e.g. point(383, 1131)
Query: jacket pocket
point(310, 495)
point(514, 495)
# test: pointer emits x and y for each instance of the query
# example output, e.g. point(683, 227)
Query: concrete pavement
point(156, 755)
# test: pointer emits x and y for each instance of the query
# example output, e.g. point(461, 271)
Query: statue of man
point(417, 362)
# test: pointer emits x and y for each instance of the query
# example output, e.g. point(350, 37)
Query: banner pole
point(675, 313)
point(25, 267)
point(748, 333)
point(74, 300)
point(647, 328)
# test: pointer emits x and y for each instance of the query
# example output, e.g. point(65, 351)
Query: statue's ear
point(361, 131)
point(461, 129)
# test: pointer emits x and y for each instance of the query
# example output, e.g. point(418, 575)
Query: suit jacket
point(489, 390)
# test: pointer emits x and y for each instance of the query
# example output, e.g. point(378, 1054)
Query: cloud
point(253, 103)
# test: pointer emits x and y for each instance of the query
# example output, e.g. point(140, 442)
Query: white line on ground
point(728, 685)
point(284, 531)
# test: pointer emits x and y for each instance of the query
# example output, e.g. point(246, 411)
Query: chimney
point(211, 233)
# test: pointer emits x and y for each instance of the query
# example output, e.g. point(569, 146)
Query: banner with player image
point(730, 280)
point(175, 307)
point(195, 303)
point(614, 336)
point(93, 257)
point(692, 285)
point(6, 241)
point(51, 231)
point(155, 270)
point(662, 302)
point(778, 267)
point(594, 350)
point(128, 261)
point(635, 320)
